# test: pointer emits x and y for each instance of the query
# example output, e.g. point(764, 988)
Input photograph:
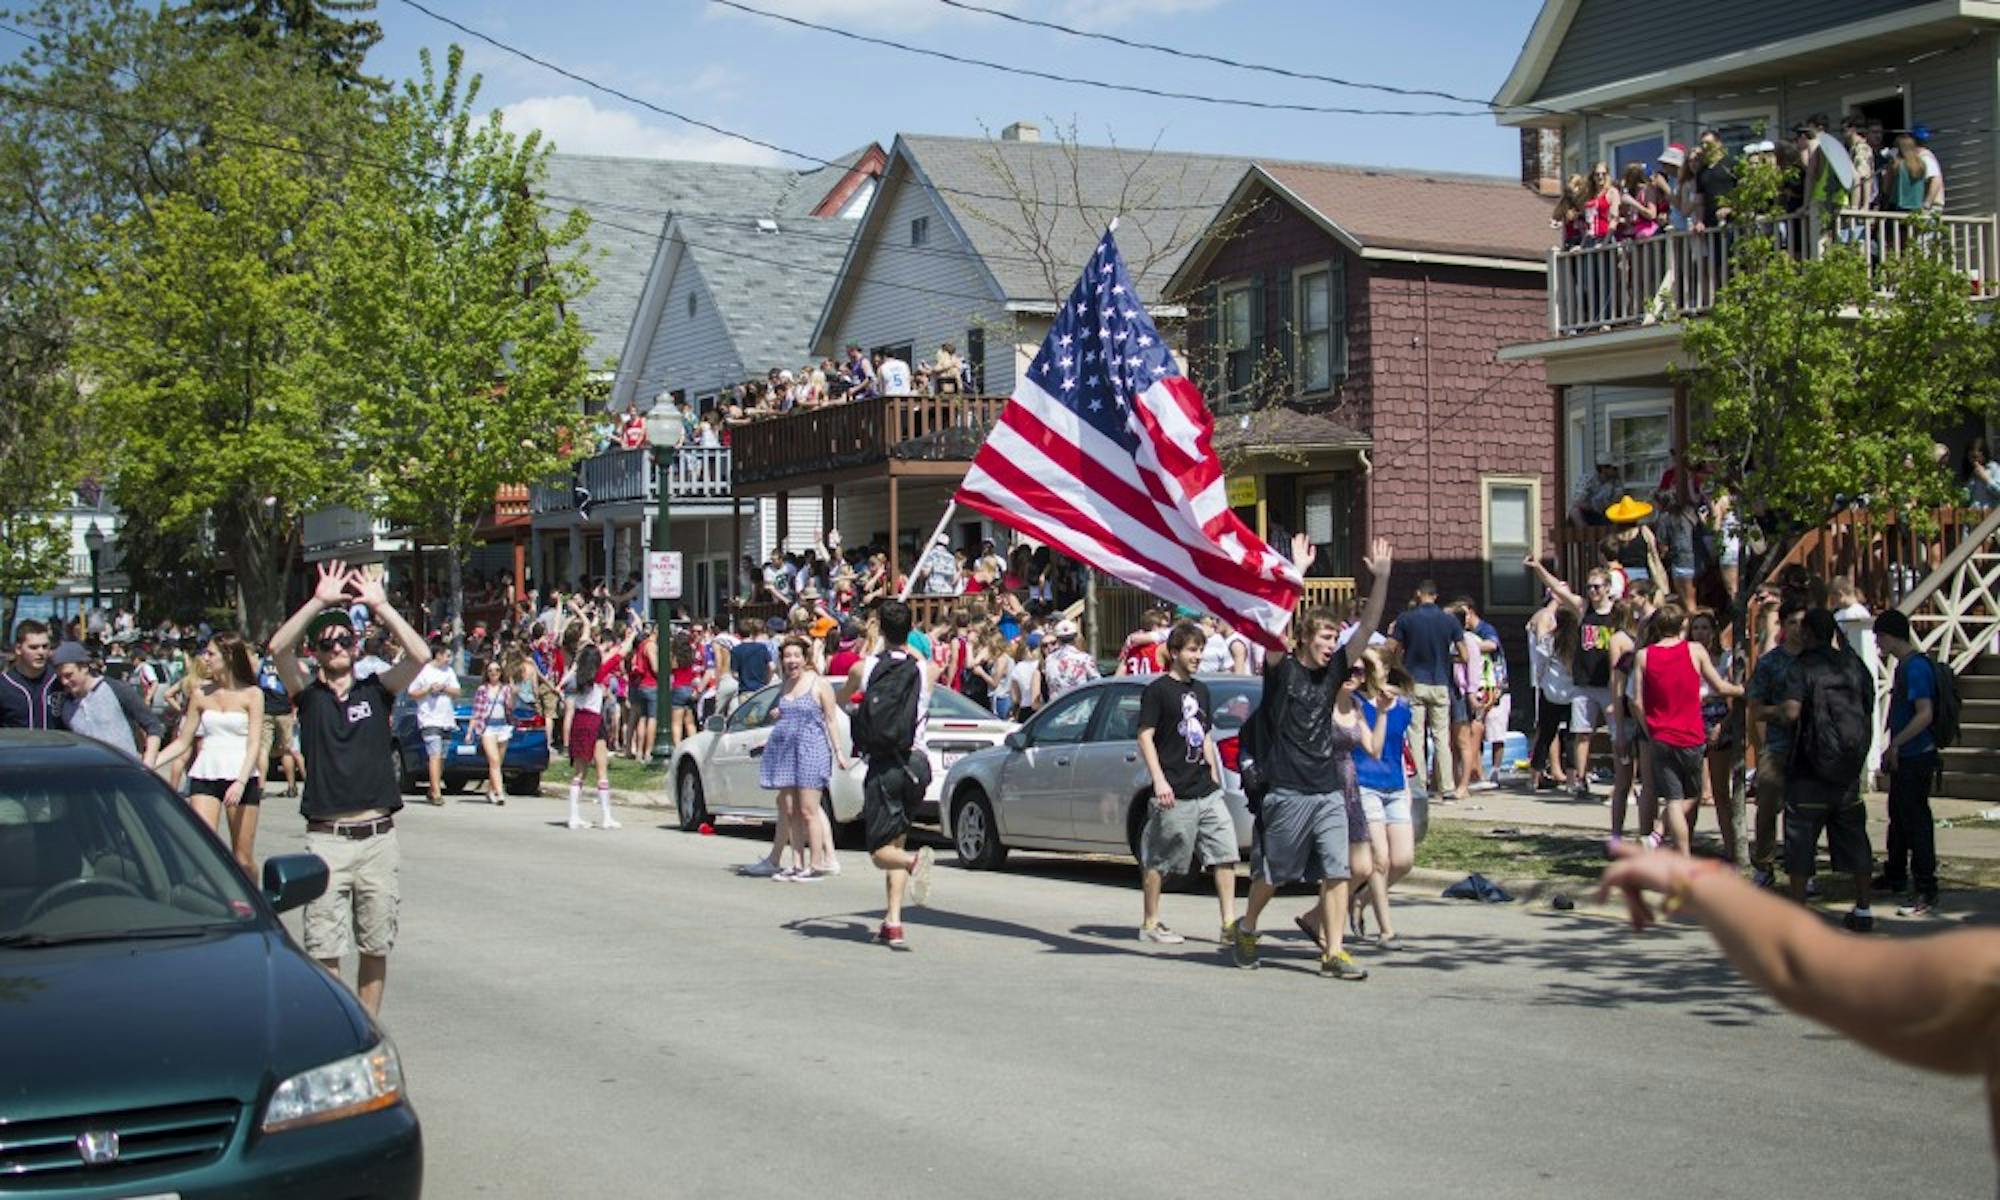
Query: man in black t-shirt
point(1302, 827)
point(351, 792)
point(1188, 822)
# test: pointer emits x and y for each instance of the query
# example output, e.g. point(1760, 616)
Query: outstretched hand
point(1379, 558)
point(368, 591)
point(1638, 871)
point(1303, 552)
point(332, 585)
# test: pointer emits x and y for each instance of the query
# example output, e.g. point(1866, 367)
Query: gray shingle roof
point(768, 288)
point(1168, 199)
point(629, 199)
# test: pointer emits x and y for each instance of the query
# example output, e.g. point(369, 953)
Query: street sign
point(663, 574)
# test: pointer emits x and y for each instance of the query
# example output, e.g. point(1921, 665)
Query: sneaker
point(920, 877)
point(786, 874)
point(499, 801)
point(1859, 922)
point(1580, 790)
point(1157, 932)
point(1812, 888)
point(609, 823)
point(1243, 946)
point(832, 868)
point(578, 823)
point(891, 936)
point(438, 801)
point(1338, 965)
point(1484, 785)
point(806, 877)
point(1918, 906)
point(1764, 877)
point(1652, 841)
point(763, 868)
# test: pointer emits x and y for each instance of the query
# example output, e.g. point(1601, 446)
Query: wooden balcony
point(625, 476)
point(917, 435)
point(1675, 275)
point(511, 500)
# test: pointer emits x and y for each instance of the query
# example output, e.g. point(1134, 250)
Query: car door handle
point(1062, 762)
point(755, 751)
point(1134, 757)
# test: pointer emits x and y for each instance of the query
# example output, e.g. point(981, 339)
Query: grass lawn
point(1511, 853)
point(626, 776)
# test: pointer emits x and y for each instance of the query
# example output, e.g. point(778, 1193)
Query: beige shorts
point(359, 907)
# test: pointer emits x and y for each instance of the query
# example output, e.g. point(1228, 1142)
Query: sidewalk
point(1967, 838)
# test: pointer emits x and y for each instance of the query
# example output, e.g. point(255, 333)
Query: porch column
point(784, 517)
point(575, 538)
point(895, 531)
point(735, 539)
point(825, 511)
point(610, 551)
point(1680, 435)
point(520, 566)
point(536, 567)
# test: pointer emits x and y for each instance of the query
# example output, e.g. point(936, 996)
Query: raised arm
point(331, 589)
point(415, 651)
point(1557, 588)
point(1376, 562)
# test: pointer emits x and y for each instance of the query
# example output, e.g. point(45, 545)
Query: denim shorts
point(434, 740)
point(1386, 808)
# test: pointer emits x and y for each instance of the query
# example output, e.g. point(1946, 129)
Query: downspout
point(1430, 474)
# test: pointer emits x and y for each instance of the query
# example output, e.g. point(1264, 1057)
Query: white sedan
point(714, 773)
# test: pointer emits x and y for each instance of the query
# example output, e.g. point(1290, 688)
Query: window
point(1238, 351)
point(1321, 305)
point(920, 230)
point(975, 358)
point(1121, 717)
point(690, 306)
point(1640, 445)
point(1642, 146)
point(1630, 428)
point(1065, 722)
point(753, 712)
point(1325, 505)
point(1512, 513)
point(1739, 127)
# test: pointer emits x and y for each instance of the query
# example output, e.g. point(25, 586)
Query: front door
point(1035, 784)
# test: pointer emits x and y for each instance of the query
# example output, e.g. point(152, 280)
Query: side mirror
point(1017, 740)
point(292, 879)
point(714, 724)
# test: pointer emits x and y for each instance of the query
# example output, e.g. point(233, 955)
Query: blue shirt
point(1768, 686)
point(1430, 638)
point(1916, 679)
point(1384, 774)
point(752, 663)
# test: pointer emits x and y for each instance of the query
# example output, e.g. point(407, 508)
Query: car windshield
point(105, 854)
point(949, 705)
point(1232, 701)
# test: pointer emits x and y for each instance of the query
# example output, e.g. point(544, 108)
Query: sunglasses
point(1594, 587)
point(1357, 671)
point(342, 641)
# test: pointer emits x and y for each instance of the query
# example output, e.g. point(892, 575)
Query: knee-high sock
point(575, 794)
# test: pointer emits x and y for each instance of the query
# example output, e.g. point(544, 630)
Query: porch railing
point(1955, 610)
point(810, 441)
point(1677, 274)
point(615, 476)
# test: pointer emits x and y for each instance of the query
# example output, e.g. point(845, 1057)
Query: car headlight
point(370, 1080)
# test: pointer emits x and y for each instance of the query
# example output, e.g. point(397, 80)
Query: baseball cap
point(1764, 147)
point(329, 619)
point(776, 625)
point(1065, 630)
point(70, 652)
point(1674, 155)
point(1035, 640)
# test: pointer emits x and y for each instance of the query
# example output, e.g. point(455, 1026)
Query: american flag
point(1104, 453)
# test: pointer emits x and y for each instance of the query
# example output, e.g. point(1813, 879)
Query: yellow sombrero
point(1628, 511)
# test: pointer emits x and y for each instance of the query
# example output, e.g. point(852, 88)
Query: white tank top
point(225, 739)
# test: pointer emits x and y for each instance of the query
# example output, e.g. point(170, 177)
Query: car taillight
point(534, 722)
point(1230, 753)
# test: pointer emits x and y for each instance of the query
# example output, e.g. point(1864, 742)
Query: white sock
point(604, 799)
point(575, 794)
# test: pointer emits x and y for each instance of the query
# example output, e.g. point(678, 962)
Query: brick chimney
point(1022, 131)
point(1542, 160)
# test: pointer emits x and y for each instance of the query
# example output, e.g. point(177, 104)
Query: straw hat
point(1628, 511)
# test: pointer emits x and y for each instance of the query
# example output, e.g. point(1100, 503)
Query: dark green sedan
point(160, 1033)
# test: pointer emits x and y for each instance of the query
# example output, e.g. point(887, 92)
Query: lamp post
point(93, 540)
point(665, 433)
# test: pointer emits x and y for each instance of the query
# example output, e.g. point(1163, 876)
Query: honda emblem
point(98, 1146)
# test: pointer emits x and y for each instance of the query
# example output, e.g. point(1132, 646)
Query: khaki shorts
point(1190, 835)
point(358, 910)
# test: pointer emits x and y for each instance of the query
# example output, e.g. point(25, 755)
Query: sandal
point(1392, 942)
point(1306, 928)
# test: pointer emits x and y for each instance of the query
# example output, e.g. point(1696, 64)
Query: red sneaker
point(891, 936)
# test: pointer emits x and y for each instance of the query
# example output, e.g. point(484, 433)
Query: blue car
point(464, 764)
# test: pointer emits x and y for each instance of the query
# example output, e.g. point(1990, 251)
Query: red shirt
point(1143, 658)
point(841, 663)
point(612, 665)
point(642, 671)
point(1671, 692)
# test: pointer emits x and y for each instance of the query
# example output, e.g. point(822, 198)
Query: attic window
point(690, 306)
point(920, 230)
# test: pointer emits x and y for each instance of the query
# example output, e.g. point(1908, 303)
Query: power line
point(1101, 84)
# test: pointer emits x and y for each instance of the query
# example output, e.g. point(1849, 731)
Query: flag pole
point(910, 580)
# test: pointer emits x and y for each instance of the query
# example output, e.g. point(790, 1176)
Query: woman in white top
point(492, 724)
point(227, 714)
point(583, 710)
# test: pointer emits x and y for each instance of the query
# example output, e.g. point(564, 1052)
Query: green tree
point(334, 36)
point(221, 372)
point(476, 366)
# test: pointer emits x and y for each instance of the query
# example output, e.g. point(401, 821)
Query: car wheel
point(528, 783)
point(847, 835)
point(405, 781)
point(689, 805)
point(975, 833)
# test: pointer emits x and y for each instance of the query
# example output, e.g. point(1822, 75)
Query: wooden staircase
point(1955, 616)
point(1972, 767)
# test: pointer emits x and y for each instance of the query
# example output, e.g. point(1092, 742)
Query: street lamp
point(665, 433)
point(93, 540)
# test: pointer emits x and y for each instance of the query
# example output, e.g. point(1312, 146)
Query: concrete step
point(1963, 785)
point(1982, 734)
point(1986, 666)
point(1978, 687)
point(1972, 760)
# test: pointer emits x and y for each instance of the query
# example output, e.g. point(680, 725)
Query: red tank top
point(1672, 695)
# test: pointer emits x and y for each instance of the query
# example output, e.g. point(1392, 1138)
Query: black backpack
point(885, 721)
point(1838, 721)
point(1944, 705)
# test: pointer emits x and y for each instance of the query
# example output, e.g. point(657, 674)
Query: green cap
point(326, 620)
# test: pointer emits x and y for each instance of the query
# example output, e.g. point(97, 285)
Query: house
point(1344, 327)
point(970, 241)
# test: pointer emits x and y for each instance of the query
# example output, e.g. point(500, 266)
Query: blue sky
point(821, 94)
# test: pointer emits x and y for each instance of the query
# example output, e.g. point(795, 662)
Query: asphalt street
point(614, 1013)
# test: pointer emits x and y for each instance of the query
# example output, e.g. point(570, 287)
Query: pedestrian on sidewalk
point(1829, 702)
point(1668, 675)
point(1187, 824)
point(434, 689)
point(227, 714)
point(799, 758)
point(1305, 748)
point(1770, 681)
point(1431, 643)
point(892, 698)
point(351, 794)
point(1627, 731)
point(1597, 619)
point(584, 699)
point(1912, 761)
point(1553, 635)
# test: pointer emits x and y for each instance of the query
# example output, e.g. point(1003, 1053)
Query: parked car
point(1071, 779)
point(714, 773)
point(166, 1035)
point(464, 761)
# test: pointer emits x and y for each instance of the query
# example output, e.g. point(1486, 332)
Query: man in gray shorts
point(1302, 828)
point(1188, 823)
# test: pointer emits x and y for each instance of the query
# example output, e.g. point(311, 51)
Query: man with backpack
point(1923, 716)
point(1830, 702)
point(891, 699)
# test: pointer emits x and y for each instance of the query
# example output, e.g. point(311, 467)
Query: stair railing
point(1955, 612)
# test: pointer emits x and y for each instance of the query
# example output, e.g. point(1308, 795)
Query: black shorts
point(890, 789)
point(253, 792)
point(1677, 771)
point(1812, 806)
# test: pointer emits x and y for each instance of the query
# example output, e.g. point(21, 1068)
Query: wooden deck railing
point(622, 476)
point(811, 441)
point(1954, 611)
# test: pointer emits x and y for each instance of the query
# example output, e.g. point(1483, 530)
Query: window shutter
point(1256, 340)
point(1209, 354)
point(1287, 333)
point(1336, 308)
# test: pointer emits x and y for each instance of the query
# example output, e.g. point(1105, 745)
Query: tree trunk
point(457, 586)
point(257, 550)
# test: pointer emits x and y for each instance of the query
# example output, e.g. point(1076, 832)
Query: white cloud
point(576, 125)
